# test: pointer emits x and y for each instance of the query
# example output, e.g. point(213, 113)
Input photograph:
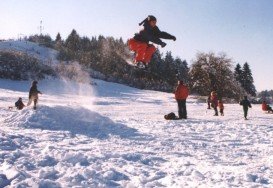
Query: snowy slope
point(111, 135)
point(46, 55)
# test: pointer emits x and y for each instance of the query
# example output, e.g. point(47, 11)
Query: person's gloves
point(163, 44)
point(174, 38)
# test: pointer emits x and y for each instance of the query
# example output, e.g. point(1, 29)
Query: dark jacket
point(149, 34)
point(19, 105)
point(245, 103)
point(33, 91)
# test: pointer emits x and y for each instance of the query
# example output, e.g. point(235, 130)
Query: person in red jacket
point(181, 94)
point(266, 107)
point(140, 42)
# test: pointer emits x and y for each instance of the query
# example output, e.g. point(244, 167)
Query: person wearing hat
point(33, 94)
point(19, 104)
point(181, 94)
point(140, 42)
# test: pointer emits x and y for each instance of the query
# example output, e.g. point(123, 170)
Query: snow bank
point(46, 55)
point(121, 139)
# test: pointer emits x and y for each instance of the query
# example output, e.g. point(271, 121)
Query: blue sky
point(241, 28)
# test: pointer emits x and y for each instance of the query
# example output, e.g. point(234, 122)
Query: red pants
point(143, 50)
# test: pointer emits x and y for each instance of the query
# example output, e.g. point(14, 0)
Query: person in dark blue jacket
point(19, 104)
point(246, 104)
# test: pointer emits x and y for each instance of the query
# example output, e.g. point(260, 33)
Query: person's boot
point(141, 65)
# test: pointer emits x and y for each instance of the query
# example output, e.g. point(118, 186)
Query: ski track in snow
point(117, 137)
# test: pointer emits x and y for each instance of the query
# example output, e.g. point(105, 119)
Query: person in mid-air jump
point(140, 42)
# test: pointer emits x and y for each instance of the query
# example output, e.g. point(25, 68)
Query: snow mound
point(75, 120)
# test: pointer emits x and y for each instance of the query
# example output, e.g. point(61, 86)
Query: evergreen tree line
point(266, 95)
point(244, 77)
point(109, 56)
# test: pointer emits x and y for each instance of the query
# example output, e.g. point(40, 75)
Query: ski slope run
point(110, 135)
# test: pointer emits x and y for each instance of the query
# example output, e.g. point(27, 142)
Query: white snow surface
point(45, 55)
point(110, 135)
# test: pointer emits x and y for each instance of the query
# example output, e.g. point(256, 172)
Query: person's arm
point(152, 38)
point(249, 105)
point(163, 34)
point(187, 92)
point(30, 93)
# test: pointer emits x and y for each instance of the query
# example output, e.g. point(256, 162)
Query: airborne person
point(140, 42)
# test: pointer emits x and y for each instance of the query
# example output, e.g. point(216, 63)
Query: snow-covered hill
point(45, 55)
point(111, 135)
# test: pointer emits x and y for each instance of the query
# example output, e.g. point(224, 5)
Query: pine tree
point(247, 80)
point(182, 69)
point(73, 41)
point(156, 62)
point(170, 69)
point(238, 73)
point(58, 38)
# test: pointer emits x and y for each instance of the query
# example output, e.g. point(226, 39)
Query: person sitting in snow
point(33, 94)
point(221, 107)
point(266, 107)
point(19, 104)
point(181, 94)
point(140, 42)
point(214, 102)
point(246, 104)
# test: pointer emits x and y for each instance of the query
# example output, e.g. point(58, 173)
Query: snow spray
point(77, 81)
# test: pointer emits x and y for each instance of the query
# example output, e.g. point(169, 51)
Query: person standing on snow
point(246, 104)
point(181, 94)
point(214, 102)
point(33, 94)
point(208, 101)
point(221, 107)
point(140, 42)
